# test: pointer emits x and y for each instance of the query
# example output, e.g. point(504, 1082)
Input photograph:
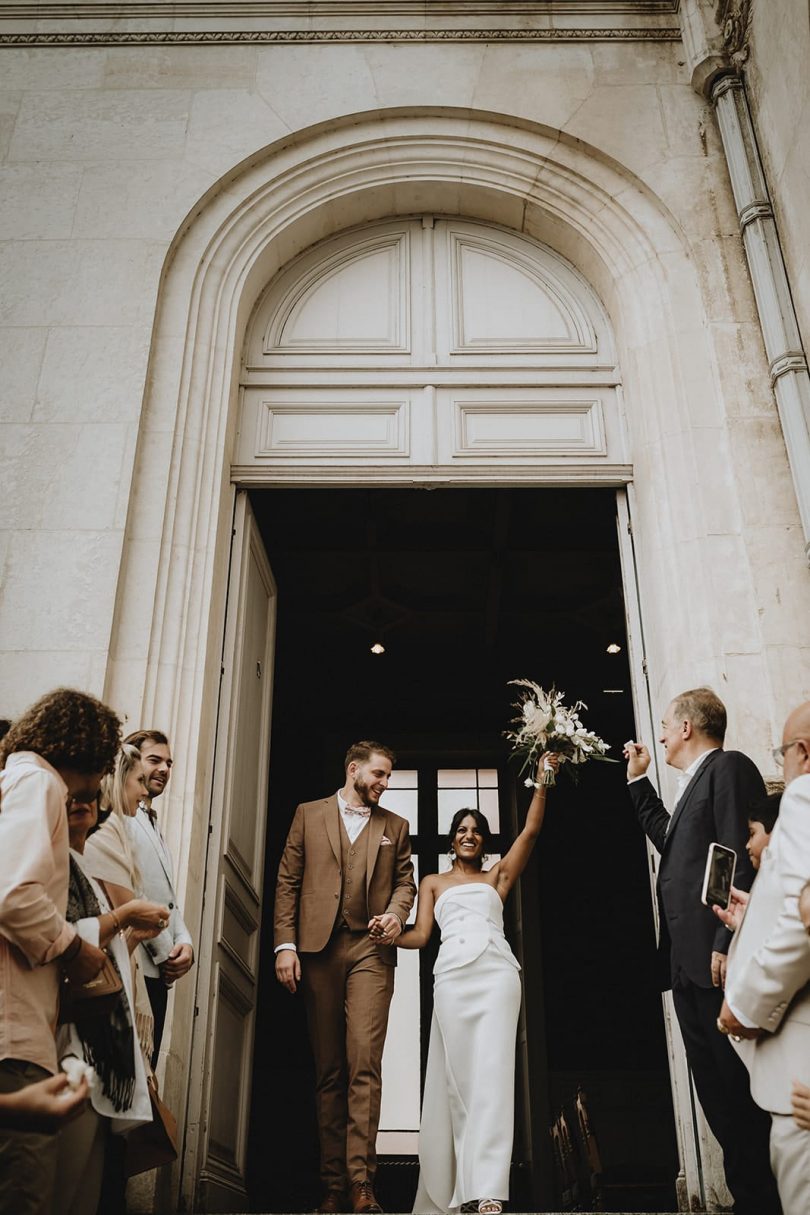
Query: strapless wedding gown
point(465, 1138)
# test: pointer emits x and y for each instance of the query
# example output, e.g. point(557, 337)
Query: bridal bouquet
point(546, 726)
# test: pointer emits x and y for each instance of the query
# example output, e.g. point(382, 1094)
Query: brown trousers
point(348, 989)
point(27, 1159)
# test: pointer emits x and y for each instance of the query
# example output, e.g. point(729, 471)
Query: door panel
point(232, 918)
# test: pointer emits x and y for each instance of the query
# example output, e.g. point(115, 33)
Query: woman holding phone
point(465, 1140)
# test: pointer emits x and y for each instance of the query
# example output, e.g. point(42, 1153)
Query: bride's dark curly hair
point(480, 821)
point(69, 729)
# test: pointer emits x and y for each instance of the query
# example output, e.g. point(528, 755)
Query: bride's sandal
point(490, 1206)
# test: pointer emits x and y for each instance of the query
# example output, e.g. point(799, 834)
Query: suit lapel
point(689, 790)
point(331, 816)
point(152, 836)
point(376, 823)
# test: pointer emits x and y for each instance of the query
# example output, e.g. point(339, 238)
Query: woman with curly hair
point(59, 749)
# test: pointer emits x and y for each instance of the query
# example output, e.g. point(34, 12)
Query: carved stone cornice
point(73, 38)
point(734, 20)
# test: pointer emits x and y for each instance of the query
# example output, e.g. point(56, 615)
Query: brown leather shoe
point(333, 1202)
point(363, 1200)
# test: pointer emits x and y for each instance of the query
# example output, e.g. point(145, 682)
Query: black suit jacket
point(714, 808)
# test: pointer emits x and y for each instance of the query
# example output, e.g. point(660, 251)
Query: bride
point(465, 1138)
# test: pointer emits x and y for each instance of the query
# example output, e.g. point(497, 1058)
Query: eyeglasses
point(778, 753)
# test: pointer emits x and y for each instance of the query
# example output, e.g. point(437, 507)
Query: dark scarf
point(108, 1042)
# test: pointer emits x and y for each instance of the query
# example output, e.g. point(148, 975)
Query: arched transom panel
point(430, 342)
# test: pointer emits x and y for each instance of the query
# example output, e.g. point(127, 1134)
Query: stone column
point(715, 40)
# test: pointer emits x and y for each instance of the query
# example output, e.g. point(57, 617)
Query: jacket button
point(337, 896)
point(171, 906)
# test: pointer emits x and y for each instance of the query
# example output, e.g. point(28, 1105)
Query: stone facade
point(158, 169)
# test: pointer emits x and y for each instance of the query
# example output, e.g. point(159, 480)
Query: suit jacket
point(310, 879)
point(713, 809)
point(768, 979)
point(157, 883)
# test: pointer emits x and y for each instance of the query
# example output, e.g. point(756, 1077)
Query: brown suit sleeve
point(288, 884)
point(404, 892)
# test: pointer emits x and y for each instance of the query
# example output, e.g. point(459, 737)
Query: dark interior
point(466, 589)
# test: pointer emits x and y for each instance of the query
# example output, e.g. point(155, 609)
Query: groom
point(347, 860)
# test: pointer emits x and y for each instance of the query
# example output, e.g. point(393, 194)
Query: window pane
point(404, 802)
point(444, 862)
point(451, 800)
point(404, 778)
point(488, 778)
point(412, 917)
point(488, 804)
point(456, 778)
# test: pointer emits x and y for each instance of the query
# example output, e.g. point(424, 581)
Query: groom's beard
point(366, 794)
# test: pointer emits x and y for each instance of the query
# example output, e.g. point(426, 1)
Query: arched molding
point(165, 667)
point(281, 203)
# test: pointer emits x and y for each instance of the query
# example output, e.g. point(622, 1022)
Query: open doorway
point(466, 589)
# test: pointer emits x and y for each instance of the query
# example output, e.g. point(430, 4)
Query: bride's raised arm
point(510, 867)
point(418, 936)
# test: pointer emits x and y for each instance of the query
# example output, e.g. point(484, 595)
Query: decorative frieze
point(734, 20)
point(73, 38)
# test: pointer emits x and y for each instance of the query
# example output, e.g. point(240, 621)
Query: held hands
point(733, 916)
point(288, 969)
point(384, 928)
point(638, 759)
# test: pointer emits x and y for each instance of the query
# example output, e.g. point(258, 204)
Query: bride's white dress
point(465, 1138)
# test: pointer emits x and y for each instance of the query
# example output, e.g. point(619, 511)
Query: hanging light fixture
point(378, 648)
point(613, 648)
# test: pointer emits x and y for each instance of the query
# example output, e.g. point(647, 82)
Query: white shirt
point(354, 820)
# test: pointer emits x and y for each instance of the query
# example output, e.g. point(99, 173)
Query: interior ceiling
point(464, 588)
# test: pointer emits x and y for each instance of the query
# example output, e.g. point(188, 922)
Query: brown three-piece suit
point(328, 889)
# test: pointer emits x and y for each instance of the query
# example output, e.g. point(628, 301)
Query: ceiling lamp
point(613, 648)
point(378, 648)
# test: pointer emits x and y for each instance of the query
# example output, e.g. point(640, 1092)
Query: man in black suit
point(716, 789)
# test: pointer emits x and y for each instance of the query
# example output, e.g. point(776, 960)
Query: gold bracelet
point(115, 920)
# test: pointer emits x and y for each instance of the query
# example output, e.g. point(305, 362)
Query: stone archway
point(374, 166)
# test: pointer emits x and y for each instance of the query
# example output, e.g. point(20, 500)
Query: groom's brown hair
point(361, 752)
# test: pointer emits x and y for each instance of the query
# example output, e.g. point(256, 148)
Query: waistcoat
point(354, 867)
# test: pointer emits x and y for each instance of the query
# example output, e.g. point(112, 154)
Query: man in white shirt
point(716, 790)
point(767, 1005)
point(171, 955)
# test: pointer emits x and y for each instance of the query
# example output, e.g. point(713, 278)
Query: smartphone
point(719, 876)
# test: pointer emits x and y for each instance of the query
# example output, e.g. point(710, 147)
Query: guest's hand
point(719, 964)
point(732, 916)
point(43, 1107)
point(288, 969)
point(178, 963)
point(727, 1023)
point(384, 928)
point(85, 964)
point(800, 1100)
point(638, 759)
point(144, 918)
point(804, 906)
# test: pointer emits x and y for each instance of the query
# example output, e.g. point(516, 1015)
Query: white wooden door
point(214, 1168)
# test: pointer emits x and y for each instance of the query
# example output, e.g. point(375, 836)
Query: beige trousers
point(80, 1164)
point(348, 989)
point(790, 1161)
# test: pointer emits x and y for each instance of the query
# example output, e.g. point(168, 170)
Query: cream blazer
point(768, 977)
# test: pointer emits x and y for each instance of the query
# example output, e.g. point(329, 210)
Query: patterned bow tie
point(360, 813)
